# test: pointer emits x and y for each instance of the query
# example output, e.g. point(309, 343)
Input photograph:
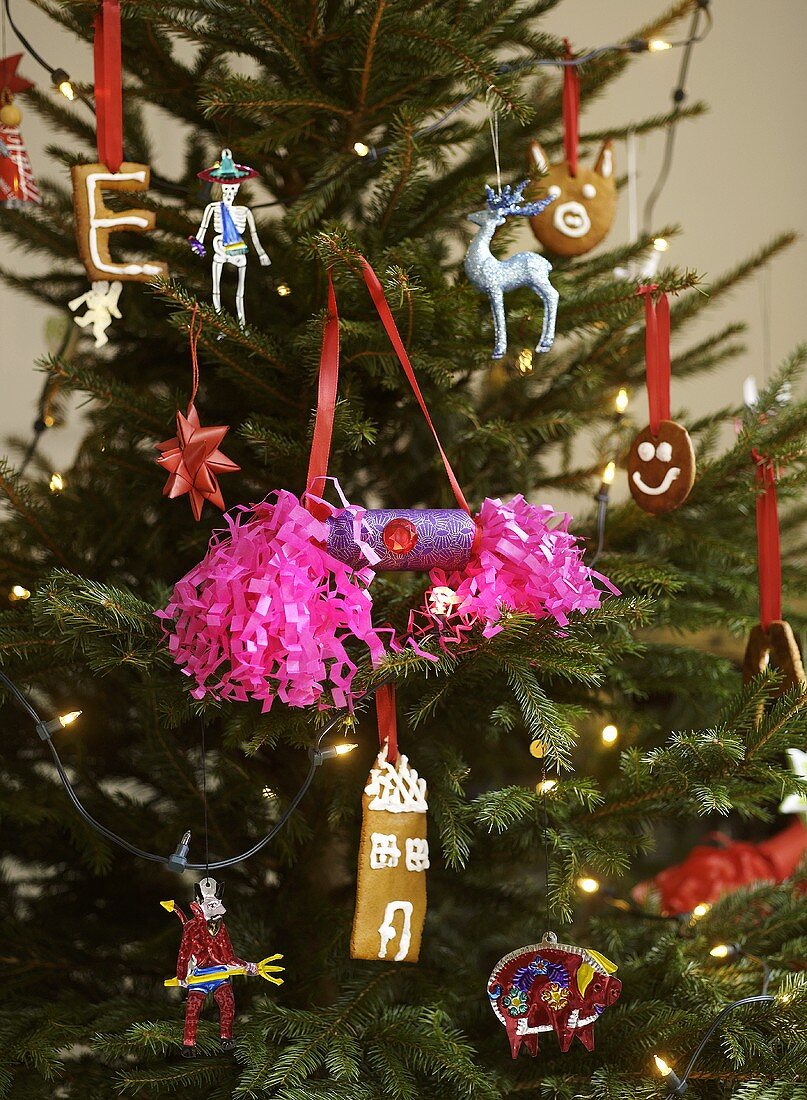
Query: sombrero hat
point(227, 171)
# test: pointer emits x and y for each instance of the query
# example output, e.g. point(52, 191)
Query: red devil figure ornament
point(552, 986)
point(206, 963)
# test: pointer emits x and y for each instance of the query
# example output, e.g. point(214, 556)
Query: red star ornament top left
point(8, 75)
point(193, 460)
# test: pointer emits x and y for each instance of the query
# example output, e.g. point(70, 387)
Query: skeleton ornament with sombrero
point(229, 223)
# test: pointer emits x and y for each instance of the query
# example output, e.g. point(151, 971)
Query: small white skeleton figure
point(101, 301)
point(385, 851)
point(417, 854)
point(229, 223)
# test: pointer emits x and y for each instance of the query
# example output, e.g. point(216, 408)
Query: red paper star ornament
point(8, 75)
point(193, 460)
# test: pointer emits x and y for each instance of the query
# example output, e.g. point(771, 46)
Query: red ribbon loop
point(108, 85)
point(571, 111)
point(326, 393)
point(386, 709)
point(769, 556)
point(329, 377)
point(194, 332)
point(657, 355)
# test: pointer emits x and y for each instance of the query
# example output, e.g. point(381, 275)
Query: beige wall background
point(737, 180)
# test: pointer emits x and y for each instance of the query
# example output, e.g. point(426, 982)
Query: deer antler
point(510, 201)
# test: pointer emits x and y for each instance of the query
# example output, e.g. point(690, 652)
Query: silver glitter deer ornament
point(494, 277)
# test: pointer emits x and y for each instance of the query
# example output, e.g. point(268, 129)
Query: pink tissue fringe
point(268, 611)
point(518, 564)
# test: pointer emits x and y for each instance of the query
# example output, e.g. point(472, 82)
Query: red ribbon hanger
point(329, 377)
point(769, 556)
point(108, 85)
point(657, 355)
point(571, 111)
point(385, 708)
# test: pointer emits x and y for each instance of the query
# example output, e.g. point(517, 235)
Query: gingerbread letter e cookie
point(661, 467)
point(95, 222)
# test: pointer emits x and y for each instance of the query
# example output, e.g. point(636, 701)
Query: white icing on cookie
point(396, 788)
point(659, 490)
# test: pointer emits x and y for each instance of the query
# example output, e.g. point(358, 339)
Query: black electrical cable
point(315, 755)
point(764, 998)
point(678, 97)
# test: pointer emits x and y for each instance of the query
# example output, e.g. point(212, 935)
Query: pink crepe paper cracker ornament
point(524, 560)
point(277, 606)
point(269, 613)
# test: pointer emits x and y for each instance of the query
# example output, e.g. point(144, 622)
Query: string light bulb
point(48, 420)
point(45, 729)
point(344, 749)
point(319, 756)
point(525, 361)
point(283, 290)
point(609, 734)
point(360, 149)
point(588, 885)
point(609, 473)
point(724, 951)
point(675, 1086)
point(700, 910)
point(661, 244)
point(19, 592)
point(56, 483)
point(658, 45)
point(621, 401)
point(545, 786)
point(63, 84)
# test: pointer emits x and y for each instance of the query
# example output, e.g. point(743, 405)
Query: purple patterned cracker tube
point(416, 539)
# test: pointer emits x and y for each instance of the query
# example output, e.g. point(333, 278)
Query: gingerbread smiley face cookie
point(661, 467)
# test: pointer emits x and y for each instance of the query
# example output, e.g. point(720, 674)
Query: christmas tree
point(334, 105)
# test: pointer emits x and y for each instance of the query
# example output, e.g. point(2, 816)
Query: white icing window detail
point(396, 788)
point(417, 854)
point(384, 851)
point(387, 930)
point(607, 163)
point(646, 451)
point(589, 190)
point(664, 451)
point(554, 190)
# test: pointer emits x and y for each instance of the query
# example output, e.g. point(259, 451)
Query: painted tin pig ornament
point(552, 986)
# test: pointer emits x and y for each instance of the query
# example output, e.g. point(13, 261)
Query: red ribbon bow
point(657, 355)
point(571, 111)
point(769, 555)
point(329, 378)
point(108, 85)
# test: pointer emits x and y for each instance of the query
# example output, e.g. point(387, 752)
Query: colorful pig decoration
point(552, 986)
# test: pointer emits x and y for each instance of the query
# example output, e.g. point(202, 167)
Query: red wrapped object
point(721, 865)
point(17, 183)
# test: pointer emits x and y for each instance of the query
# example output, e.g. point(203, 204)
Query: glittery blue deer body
point(495, 277)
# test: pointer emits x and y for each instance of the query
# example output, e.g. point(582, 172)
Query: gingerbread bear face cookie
point(661, 467)
point(584, 206)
